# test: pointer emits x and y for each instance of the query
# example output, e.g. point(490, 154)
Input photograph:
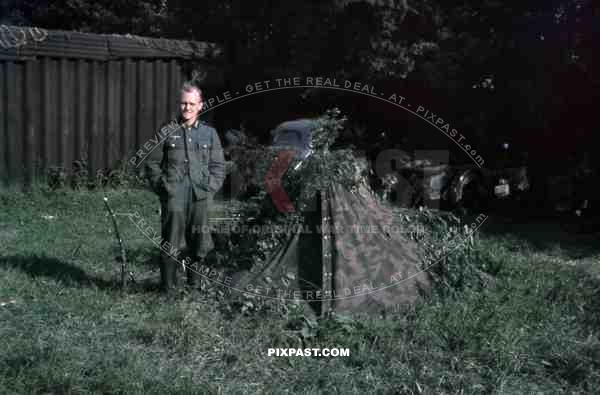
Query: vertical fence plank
point(165, 89)
point(32, 114)
point(81, 110)
point(145, 104)
point(20, 116)
point(92, 118)
point(178, 81)
point(66, 109)
point(34, 89)
point(151, 107)
point(140, 92)
point(46, 103)
point(173, 93)
point(4, 99)
point(112, 115)
point(69, 114)
point(52, 113)
point(14, 115)
point(160, 93)
point(128, 96)
point(55, 135)
point(123, 111)
point(57, 96)
point(99, 111)
point(155, 96)
point(103, 115)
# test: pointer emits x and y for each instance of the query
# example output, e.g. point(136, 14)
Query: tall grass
point(66, 328)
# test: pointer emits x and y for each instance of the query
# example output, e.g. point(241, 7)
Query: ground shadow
point(71, 275)
point(43, 266)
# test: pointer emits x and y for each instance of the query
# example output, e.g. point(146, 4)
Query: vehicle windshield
point(296, 135)
point(290, 138)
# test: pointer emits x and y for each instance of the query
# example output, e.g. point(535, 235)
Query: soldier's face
point(190, 105)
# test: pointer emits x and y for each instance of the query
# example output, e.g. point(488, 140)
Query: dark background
point(525, 72)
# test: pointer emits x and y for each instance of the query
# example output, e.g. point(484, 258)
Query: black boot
point(168, 273)
point(193, 274)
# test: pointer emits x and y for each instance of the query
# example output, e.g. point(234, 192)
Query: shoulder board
point(202, 123)
point(173, 123)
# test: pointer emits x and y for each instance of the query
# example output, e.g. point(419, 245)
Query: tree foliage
point(525, 71)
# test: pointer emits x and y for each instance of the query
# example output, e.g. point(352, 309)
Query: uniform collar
point(194, 126)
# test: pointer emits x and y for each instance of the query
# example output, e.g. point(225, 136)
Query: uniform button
point(204, 145)
point(190, 140)
point(173, 145)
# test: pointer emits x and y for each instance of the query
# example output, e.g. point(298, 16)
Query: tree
point(145, 17)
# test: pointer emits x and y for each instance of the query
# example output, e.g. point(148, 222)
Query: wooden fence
point(86, 97)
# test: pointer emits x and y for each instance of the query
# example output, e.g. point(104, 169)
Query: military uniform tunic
point(186, 170)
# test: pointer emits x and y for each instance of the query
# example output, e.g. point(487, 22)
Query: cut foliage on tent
point(344, 250)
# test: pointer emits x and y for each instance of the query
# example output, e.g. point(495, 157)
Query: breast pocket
point(174, 150)
point(203, 151)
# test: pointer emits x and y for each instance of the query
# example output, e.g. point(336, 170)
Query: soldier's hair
point(189, 86)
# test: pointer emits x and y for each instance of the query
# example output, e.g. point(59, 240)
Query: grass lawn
point(66, 328)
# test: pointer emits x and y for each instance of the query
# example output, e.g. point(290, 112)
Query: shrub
point(120, 175)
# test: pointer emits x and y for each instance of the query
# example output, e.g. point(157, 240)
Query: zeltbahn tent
point(350, 256)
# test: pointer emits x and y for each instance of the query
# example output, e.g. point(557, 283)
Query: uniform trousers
point(185, 226)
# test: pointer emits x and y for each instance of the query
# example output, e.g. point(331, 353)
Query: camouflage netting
point(351, 255)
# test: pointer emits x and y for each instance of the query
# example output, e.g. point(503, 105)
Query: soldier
point(186, 169)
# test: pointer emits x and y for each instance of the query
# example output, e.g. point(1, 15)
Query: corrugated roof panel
point(22, 42)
